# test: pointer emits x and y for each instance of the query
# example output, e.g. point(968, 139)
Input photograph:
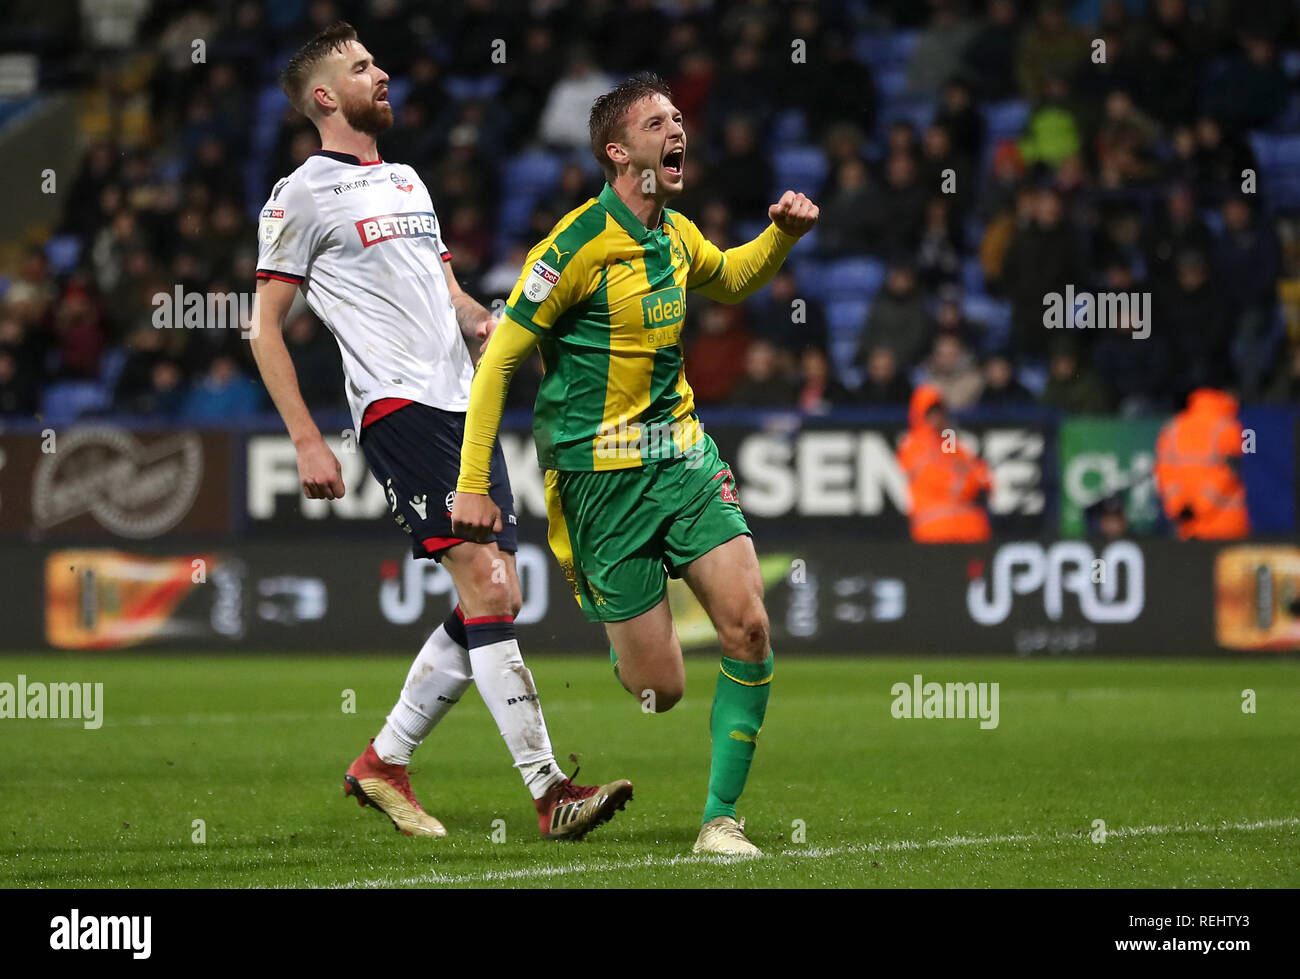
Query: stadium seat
point(854, 278)
point(66, 401)
point(972, 276)
point(847, 317)
point(789, 128)
point(893, 49)
point(463, 88)
point(1279, 168)
point(993, 314)
point(1291, 64)
point(63, 252)
point(531, 174)
point(891, 82)
point(811, 276)
point(1005, 119)
point(918, 112)
point(800, 168)
point(398, 89)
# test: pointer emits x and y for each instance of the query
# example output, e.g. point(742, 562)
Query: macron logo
point(412, 224)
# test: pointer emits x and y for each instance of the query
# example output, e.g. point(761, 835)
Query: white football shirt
point(363, 243)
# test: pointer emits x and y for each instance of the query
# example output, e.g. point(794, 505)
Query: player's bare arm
point(475, 321)
point(318, 469)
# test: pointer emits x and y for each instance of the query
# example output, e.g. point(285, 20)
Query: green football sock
point(739, 706)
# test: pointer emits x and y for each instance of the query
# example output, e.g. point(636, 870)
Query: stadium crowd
point(969, 159)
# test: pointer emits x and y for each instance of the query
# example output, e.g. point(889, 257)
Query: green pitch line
point(1098, 774)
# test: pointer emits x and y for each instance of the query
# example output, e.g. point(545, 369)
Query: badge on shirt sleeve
point(541, 280)
point(269, 225)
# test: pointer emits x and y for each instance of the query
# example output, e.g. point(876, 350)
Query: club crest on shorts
point(450, 500)
point(541, 280)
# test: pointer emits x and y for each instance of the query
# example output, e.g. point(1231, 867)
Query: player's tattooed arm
point(476, 323)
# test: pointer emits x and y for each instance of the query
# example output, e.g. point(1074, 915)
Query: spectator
point(884, 384)
point(939, 49)
point(1053, 131)
point(1250, 90)
point(1285, 385)
point(819, 391)
point(938, 257)
point(847, 225)
point(1178, 229)
point(898, 319)
point(788, 319)
point(18, 394)
point(763, 385)
point(1137, 370)
point(1051, 48)
point(1072, 387)
point(953, 371)
point(1043, 258)
point(1247, 267)
point(716, 354)
point(991, 54)
point(1001, 388)
point(743, 175)
point(564, 120)
point(316, 361)
point(961, 119)
point(224, 393)
point(1192, 312)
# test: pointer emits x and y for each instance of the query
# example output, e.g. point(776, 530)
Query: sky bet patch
point(541, 280)
point(662, 313)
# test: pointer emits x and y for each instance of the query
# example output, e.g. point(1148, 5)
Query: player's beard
point(369, 117)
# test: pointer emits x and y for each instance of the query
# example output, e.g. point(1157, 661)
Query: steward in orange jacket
point(1194, 472)
point(947, 483)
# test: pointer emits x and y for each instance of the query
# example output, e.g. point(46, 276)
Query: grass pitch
point(1193, 792)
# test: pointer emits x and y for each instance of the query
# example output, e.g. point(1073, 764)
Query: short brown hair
point(297, 72)
point(609, 113)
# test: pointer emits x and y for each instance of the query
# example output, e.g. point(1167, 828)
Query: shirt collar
point(347, 158)
point(614, 205)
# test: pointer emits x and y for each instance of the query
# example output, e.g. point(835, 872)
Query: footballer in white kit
point(359, 237)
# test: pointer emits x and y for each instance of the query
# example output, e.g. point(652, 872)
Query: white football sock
point(437, 679)
point(506, 686)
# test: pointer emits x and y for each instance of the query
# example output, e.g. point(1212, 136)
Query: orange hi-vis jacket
point(1192, 473)
point(945, 486)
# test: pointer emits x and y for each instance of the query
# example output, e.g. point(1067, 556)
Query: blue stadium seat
point(532, 173)
point(854, 278)
point(972, 276)
point(63, 253)
point(811, 276)
point(918, 112)
point(1291, 64)
point(891, 82)
point(66, 401)
point(1005, 119)
point(398, 89)
point(847, 317)
point(800, 168)
point(464, 88)
point(994, 314)
point(789, 128)
point(893, 49)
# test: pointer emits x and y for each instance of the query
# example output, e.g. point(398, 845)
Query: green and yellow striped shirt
point(608, 299)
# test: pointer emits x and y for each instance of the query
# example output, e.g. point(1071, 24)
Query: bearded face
point(371, 115)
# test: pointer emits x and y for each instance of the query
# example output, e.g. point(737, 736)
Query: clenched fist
point(794, 214)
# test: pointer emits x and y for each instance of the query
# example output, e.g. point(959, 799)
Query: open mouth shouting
point(382, 94)
point(673, 162)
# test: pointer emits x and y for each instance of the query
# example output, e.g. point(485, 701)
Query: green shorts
point(619, 534)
